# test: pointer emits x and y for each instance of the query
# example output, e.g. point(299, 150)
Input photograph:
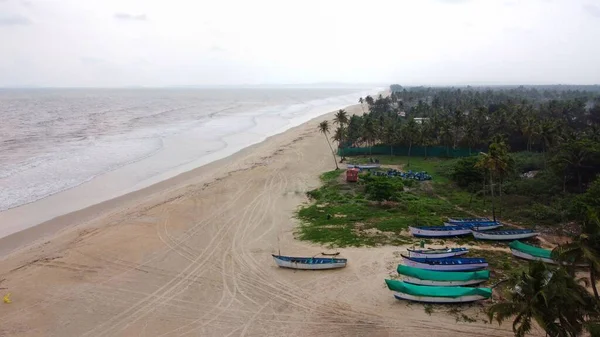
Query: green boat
point(528, 252)
point(420, 276)
point(427, 294)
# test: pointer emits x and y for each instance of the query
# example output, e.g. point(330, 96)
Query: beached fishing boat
point(529, 252)
point(484, 226)
point(439, 231)
point(460, 221)
point(447, 264)
point(309, 263)
point(437, 253)
point(419, 276)
point(427, 294)
point(513, 234)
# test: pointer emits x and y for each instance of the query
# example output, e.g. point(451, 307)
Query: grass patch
point(341, 215)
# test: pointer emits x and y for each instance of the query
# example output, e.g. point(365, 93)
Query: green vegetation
point(552, 298)
point(356, 214)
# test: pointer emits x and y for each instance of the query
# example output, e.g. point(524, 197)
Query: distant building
point(419, 120)
point(402, 113)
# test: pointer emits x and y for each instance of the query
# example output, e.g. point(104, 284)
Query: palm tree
point(341, 119)
point(361, 101)
point(369, 132)
point(585, 249)
point(496, 163)
point(410, 133)
point(558, 303)
point(324, 128)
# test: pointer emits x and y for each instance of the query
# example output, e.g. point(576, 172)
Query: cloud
point(592, 10)
point(14, 20)
point(130, 17)
point(91, 60)
point(450, 2)
point(216, 48)
point(26, 3)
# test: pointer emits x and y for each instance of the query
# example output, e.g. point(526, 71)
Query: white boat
point(439, 231)
point(437, 253)
point(427, 294)
point(528, 252)
point(480, 227)
point(515, 234)
point(309, 263)
point(448, 264)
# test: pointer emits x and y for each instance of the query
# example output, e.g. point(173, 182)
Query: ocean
point(52, 140)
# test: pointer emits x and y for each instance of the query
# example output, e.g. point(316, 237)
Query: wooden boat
point(364, 166)
point(437, 253)
point(461, 221)
point(419, 276)
point(439, 231)
point(529, 252)
point(513, 234)
point(427, 294)
point(309, 263)
point(477, 226)
point(447, 264)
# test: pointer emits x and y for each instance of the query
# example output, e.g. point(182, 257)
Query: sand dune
point(191, 257)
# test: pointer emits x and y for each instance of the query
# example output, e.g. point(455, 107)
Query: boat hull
point(412, 253)
point(526, 256)
point(503, 237)
point(414, 280)
point(481, 227)
point(451, 267)
point(424, 233)
point(308, 266)
point(428, 299)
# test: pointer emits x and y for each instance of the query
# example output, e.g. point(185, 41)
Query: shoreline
point(208, 172)
point(118, 183)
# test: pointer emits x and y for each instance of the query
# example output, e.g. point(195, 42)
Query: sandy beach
point(191, 256)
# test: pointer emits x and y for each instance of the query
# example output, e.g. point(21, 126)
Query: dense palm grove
point(552, 132)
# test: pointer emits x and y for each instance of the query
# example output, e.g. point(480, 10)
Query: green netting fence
point(416, 151)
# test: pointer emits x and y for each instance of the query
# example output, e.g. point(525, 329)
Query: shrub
point(383, 188)
point(464, 172)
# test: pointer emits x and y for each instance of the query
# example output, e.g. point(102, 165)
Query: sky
point(106, 43)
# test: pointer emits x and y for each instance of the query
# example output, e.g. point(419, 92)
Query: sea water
point(52, 140)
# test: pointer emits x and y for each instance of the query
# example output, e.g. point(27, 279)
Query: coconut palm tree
point(361, 101)
point(585, 249)
point(324, 129)
point(341, 119)
point(549, 296)
point(369, 132)
point(410, 132)
point(496, 163)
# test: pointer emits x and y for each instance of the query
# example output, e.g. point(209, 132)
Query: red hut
point(352, 175)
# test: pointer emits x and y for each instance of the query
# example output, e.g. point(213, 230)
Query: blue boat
point(439, 231)
point(513, 234)
point(481, 226)
point(309, 263)
point(437, 253)
point(447, 264)
point(461, 221)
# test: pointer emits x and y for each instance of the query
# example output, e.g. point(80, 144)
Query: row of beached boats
point(441, 276)
point(480, 228)
point(431, 275)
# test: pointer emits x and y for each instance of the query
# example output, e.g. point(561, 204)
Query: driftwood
point(331, 254)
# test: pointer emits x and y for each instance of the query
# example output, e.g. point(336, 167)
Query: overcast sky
point(202, 42)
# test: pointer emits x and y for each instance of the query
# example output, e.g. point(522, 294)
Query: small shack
point(352, 174)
